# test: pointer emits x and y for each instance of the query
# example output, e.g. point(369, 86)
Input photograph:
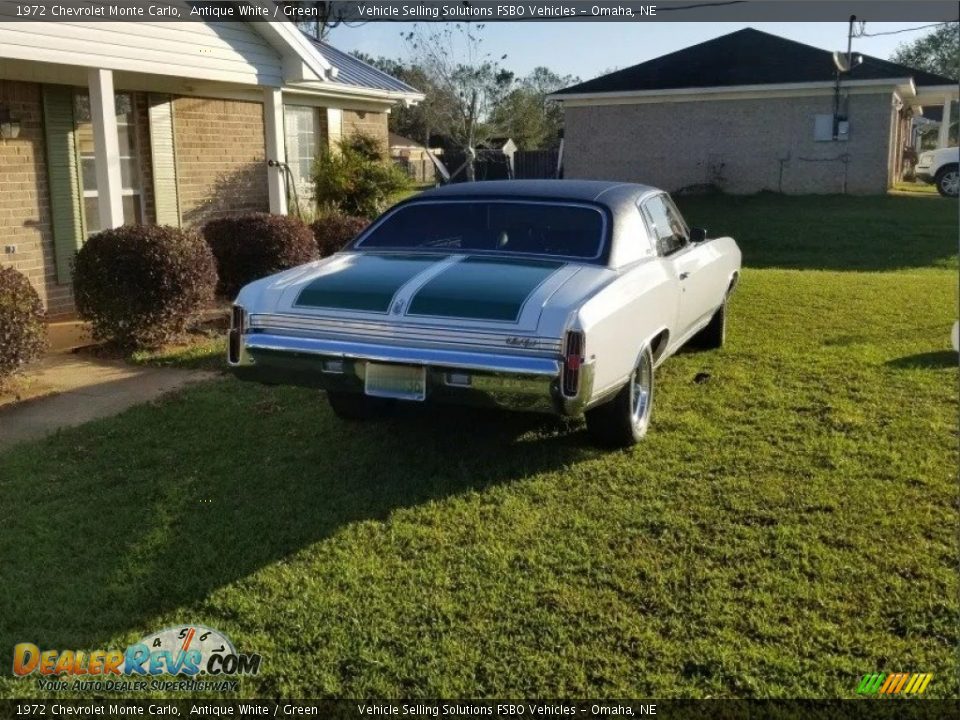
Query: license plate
point(404, 382)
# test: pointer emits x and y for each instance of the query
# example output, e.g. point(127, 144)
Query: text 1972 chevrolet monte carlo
point(557, 295)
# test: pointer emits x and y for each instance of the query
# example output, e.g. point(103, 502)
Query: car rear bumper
point(470, 378)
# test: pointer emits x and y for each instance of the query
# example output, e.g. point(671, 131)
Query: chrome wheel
point(623, 421)
point(641, 391)
point(950, 183)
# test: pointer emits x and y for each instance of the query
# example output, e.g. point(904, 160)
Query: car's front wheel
point(355, 406)
point(623, 421)
point(948, 181)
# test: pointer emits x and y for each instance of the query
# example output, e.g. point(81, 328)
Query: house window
point(300, 129)
point(129, 161)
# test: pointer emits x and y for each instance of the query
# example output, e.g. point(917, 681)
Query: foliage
point(23, 334)
point(937, 52)
point(252, 246)
point(141, 285)
point(524, 113)
point(333, 231)
point(357, 179)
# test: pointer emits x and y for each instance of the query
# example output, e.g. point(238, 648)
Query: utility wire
point(861, 33)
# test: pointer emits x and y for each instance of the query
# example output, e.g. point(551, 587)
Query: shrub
point(141, 285)
point(358, 180)
point(23, 336)
point(332, 232)
point(249, 247)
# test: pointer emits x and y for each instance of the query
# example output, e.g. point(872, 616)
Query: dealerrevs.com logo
point(185, 653)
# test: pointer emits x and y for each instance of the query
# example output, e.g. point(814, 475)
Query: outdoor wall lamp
point(9, 127)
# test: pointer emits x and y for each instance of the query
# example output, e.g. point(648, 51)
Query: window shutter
point(62, 177)
point(163, 153)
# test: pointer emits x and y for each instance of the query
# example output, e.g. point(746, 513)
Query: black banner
point(481, 11)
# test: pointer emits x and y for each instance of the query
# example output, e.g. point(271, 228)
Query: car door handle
point(684, 275)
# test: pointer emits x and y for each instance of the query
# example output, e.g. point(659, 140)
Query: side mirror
point(698, 235)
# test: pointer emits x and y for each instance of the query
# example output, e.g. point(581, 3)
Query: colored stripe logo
point(364, 282)
point(894, 683)
point(482, 288)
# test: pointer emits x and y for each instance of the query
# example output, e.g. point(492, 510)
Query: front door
point(688, 261)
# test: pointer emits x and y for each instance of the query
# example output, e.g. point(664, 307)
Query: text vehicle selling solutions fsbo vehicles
point(559, 296)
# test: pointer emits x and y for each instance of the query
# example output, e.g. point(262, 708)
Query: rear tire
point(948, 181)
point(357, 407)
point(714, 334)
point(623, 421)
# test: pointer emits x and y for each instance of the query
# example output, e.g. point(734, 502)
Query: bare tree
point(313, 18)
point(454, 62)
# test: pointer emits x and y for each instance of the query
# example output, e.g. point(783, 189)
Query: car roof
point(597, 191)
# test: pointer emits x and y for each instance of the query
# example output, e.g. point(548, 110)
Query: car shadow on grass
point(107, 526)
point(934, 360)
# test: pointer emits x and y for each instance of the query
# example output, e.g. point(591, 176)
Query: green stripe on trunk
point(367, 282)
point(483, 288)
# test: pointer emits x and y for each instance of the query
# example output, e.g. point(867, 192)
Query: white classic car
point(553, 295)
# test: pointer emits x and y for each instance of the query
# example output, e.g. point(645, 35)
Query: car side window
point(668, 227)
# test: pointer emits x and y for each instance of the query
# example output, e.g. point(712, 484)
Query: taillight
point(572, 362)
point(237, 320)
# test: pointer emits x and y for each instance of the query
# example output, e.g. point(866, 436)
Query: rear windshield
point(555, 229)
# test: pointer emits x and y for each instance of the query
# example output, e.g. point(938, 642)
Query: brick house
point(173, 123)
point(747, 112)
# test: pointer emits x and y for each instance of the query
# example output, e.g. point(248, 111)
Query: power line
point(861, 33)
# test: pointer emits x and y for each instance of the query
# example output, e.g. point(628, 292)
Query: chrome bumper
point(471, 378)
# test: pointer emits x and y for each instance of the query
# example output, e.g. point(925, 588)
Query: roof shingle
point(745, 57)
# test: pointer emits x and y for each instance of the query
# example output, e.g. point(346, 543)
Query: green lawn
point(787, 526)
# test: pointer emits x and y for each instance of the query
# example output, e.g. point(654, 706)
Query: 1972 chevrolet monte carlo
point(556, 295)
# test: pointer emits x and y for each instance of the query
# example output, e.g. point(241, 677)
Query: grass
point(787, 526)
point(916, 187)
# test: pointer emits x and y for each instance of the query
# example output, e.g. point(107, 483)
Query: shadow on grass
point(831, 232)
point(927, 361)
point(104, 527)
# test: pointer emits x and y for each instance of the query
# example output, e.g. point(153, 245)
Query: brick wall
point(220, 158)
point(369, 123)
point(744, 146)
point(24, 199)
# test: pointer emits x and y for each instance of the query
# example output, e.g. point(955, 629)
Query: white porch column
point(944, 138)
point(106, 148)
point(276, 151)
point(334, 128)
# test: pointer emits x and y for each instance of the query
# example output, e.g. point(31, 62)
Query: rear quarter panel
point(631, 310)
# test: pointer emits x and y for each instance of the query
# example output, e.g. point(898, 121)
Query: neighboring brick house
point(168, 123)
point(747, 112)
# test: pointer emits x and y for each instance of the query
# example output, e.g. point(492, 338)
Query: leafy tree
point(357, 179)
point(525, 114)
point(937, 52)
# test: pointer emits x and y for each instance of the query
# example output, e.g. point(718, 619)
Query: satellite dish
point(840, 61)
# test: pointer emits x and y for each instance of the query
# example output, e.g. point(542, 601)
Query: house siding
point(25, 199)
point(221, 166)
point(742, 146)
